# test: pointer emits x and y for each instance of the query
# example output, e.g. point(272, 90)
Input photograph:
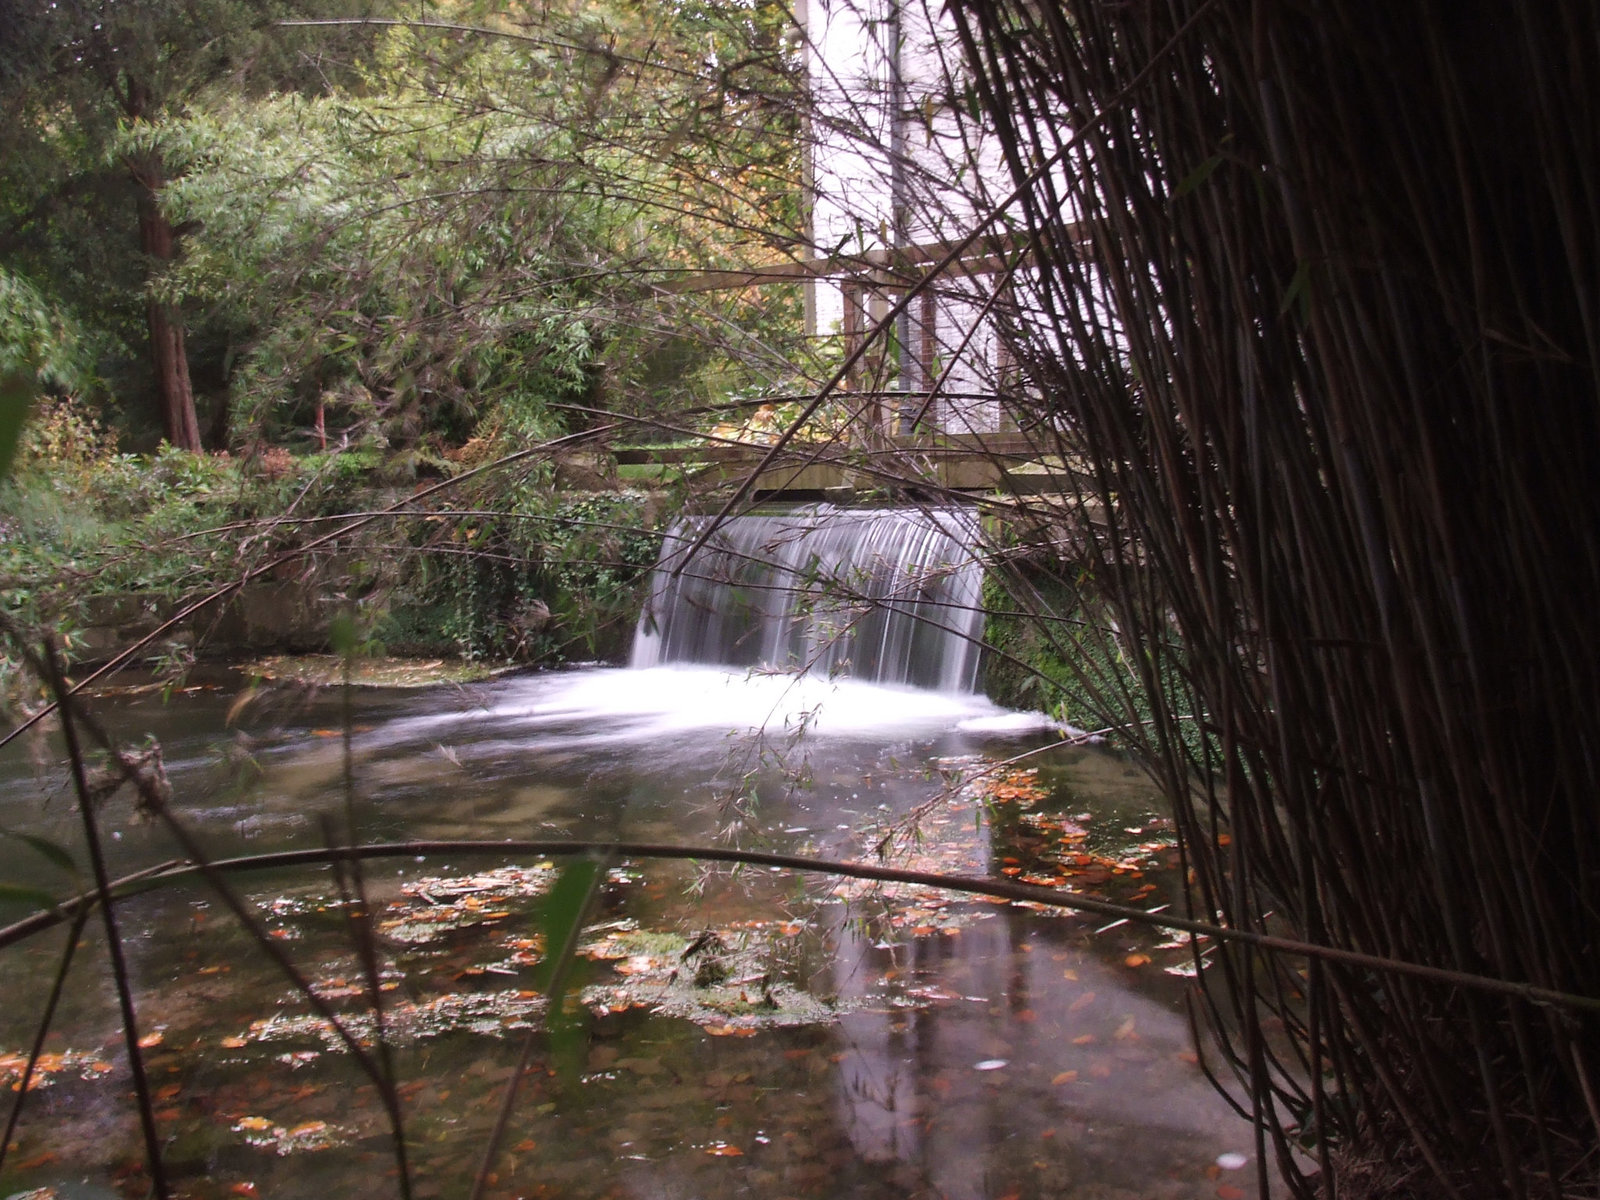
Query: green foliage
point(407, 235)
point(1060, 651)
point(39, 341)
point(1044, 661)
point(83, 520)
point(442, 249)
point(94, 96)
point(15, 394)
point(379, 274)
point(39, 347)
point(538, 576)
point(565, 910)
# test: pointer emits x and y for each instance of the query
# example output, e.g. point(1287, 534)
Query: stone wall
point(273, 616)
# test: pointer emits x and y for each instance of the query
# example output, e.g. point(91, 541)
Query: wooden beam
point(888, 269)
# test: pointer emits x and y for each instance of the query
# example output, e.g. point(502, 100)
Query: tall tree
point(90, 89)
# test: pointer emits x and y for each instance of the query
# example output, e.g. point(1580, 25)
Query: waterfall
point(889, 595)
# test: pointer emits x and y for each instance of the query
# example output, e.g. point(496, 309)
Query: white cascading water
point(887, 595)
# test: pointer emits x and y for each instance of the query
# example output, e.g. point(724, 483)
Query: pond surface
point(745, 1032)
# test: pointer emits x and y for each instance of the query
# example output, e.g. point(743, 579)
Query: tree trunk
point(174, 392)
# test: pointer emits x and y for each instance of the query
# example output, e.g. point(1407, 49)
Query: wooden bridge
point(968, 462)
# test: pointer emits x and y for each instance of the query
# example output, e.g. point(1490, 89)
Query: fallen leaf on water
point(253, 1124)
point(168, 1091)
point(234, 1042)
point(242, 1189)
point(1065, 1077)
point(1136, 960)
point(1083, 1039)
point(1125, 1030)
point(1081, 1003)
point(723, 1150)
point(1228, 1192)
point(525, 1145)
point(151, 1039)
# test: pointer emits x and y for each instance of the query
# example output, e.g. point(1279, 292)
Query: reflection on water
point(959, 1048)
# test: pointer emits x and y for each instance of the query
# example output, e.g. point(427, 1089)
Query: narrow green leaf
point(343, 635)
point(55, 853)
point(563, 915)
point(1197, 176)
point(1298, 293)
point(564, 911)
point(16, 394)
point(23, 894)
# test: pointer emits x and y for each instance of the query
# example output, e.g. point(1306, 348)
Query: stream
point(744, 1032)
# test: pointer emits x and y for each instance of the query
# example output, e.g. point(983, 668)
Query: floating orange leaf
point(151, 1039)
point(1136, 960)
point(1065, 1077)
point(723, 1150)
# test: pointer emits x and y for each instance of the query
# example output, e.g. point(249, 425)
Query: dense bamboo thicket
point(1315, 299)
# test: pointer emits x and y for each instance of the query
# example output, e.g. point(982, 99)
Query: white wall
point(936, 163)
